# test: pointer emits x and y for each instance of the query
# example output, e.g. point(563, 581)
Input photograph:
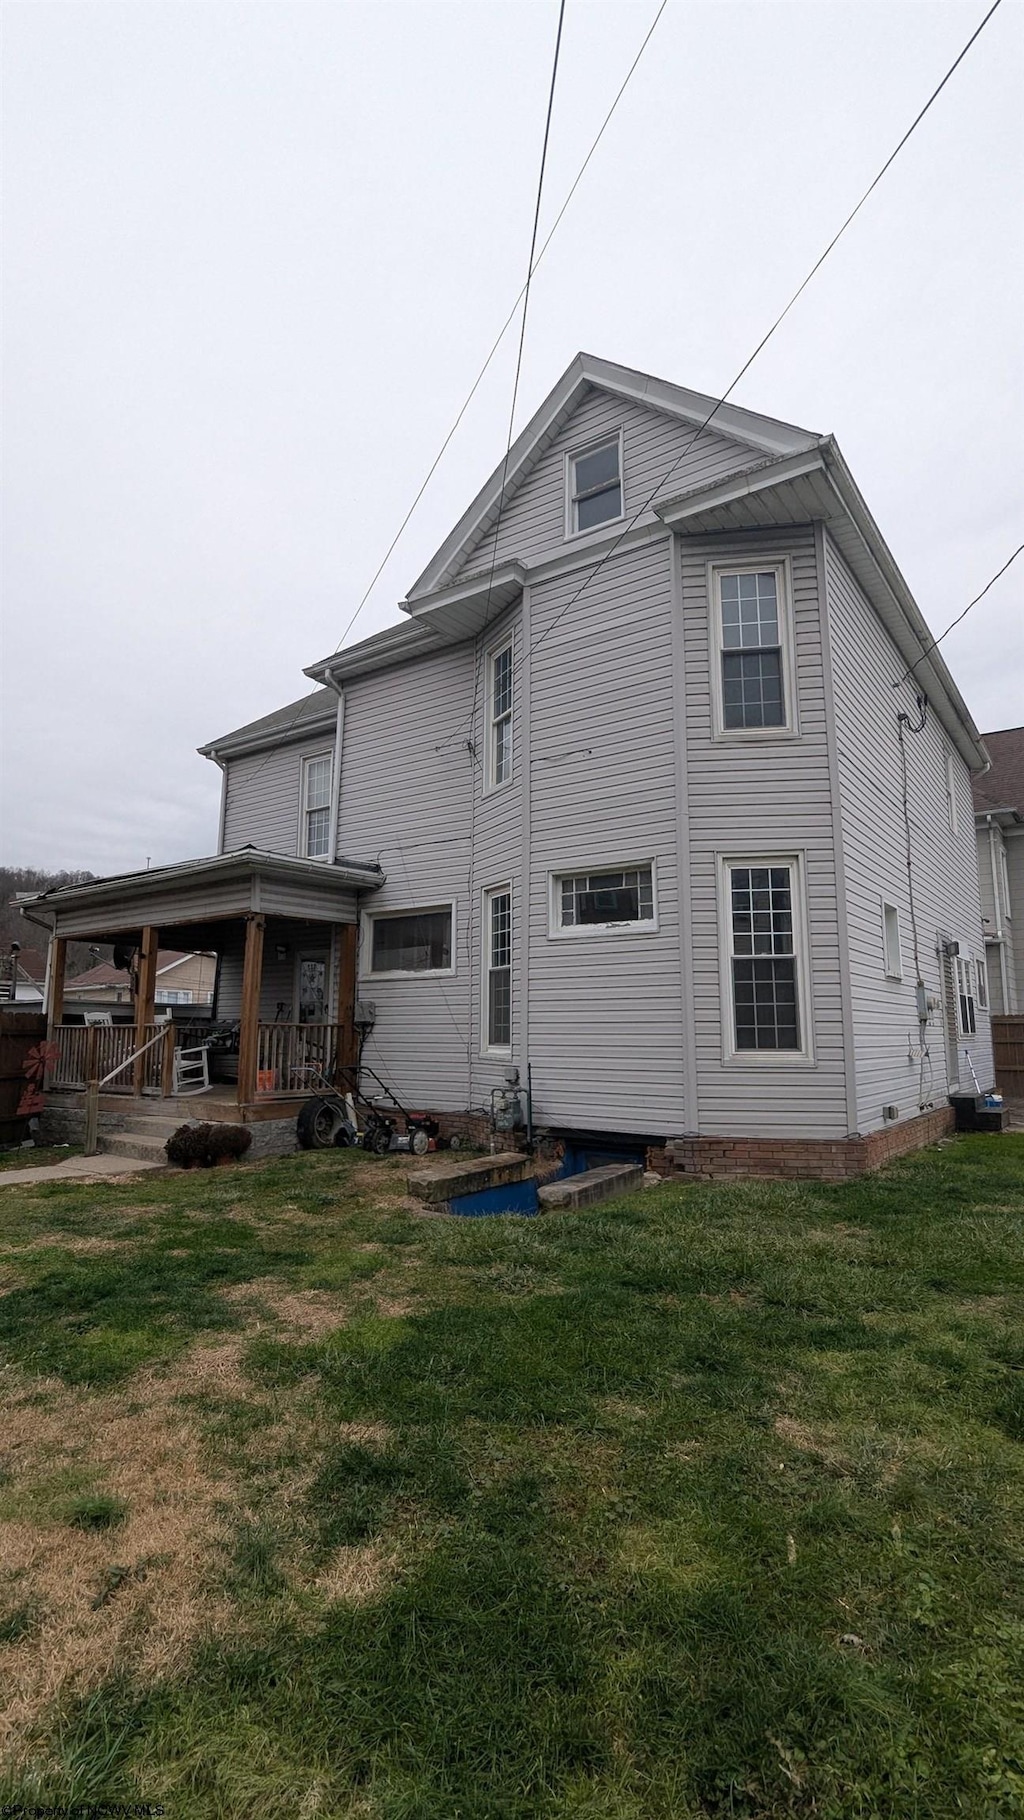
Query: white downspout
point(222, 820)
point(1004, 981)
point(339, 737)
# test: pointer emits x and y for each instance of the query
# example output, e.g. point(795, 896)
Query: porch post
point(55, 984)
point(348, 1048)
point(145, 996)
point(248, 1035)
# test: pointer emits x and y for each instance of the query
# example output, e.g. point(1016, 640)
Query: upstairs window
point(595, 486)
point(967, 1020)
point(951, 811)
point(316, 808)
point(753, 686)
point(982, 982)
point(604, 900)
point(499, 746)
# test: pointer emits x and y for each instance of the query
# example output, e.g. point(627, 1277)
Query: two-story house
point(660, 791)
point(999, 826)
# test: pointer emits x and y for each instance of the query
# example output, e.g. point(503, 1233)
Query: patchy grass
point(706, 1503)
point(37, 1156)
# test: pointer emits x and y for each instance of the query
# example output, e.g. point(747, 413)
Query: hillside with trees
point(15, 928)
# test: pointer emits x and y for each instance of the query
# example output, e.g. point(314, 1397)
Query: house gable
point(594, 398)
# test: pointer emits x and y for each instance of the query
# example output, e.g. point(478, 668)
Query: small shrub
point(201, 1146)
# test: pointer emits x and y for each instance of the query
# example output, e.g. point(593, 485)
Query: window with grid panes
point(316, 807)
point(499, 969)
point(763, 957)
point(966, 1013)
point(753, 691)
point(501, 716)
point(598, 898)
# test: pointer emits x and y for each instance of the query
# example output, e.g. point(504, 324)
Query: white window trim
point(491, 656)
point(980, 986)
point(750, 565)
point(765, 1058)
point(502, 1052)
point(370, 917)
point(581, 932)
point(890, 972)
point(966, 962)
point(572, 455)
point(311, 758)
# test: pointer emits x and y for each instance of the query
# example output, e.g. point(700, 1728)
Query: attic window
point(595, 486)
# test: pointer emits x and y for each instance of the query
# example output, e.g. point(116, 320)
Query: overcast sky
point(255, 254)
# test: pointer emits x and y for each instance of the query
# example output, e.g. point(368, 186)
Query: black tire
point(317, 1124)
point(377, 1139)
point(455, 1141)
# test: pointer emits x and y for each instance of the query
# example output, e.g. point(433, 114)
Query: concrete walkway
point(76, 1169)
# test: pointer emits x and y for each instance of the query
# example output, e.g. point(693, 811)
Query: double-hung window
point(316, 808)
point(753, 686)
point(499, 691)
point(595, 487)
point(967, 1020)
point(982, 980)
point(761, 922)
point(498, 970)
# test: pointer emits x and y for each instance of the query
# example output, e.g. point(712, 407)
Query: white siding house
point(671, 798)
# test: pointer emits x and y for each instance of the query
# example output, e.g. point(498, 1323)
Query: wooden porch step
point(590, 1186)
point(441, 1182)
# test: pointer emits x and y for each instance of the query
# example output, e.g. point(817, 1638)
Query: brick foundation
point(814, 1159)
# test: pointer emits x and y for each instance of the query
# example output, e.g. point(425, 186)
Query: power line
point(955, 622)
point(762, 344)
point(471, 394)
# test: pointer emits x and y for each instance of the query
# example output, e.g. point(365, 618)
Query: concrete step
point(133, 1143)
point(592, 1185)
point(438, 1183)
point(149, 1128)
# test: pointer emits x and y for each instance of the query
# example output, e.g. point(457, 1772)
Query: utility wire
point(435, 464)
point(763, 343)
point(955, 622)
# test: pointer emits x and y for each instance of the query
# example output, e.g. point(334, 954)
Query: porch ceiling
point(204, 891)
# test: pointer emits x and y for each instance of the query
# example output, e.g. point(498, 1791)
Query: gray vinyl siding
point(866, 667)
point(406, 796)
point(497, 858)
point(605, 1008)
point(278, 984)
point(533, 521)
point(751, 799)
point(263, 796)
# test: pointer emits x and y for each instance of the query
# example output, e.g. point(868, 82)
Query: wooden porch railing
point(89, 1052)
point(286, 1055)
point(1008, 1054)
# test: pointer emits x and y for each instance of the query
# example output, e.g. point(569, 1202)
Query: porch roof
point(246, 882)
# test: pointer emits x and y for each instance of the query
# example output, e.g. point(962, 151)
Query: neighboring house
point(999, 825)
point(181, 979)
point(660, 791)
point(29, 970)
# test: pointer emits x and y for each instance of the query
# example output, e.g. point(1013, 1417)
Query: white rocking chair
point(191, 1070)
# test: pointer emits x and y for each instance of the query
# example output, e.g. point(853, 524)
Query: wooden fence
point(1008, 1053)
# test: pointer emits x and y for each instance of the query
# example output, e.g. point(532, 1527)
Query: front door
point(312, 989)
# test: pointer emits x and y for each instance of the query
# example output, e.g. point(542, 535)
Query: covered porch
point(285, 934)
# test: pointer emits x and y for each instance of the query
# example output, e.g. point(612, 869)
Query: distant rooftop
point(1003, 786)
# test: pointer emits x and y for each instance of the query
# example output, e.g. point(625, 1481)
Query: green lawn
point(708, 1502)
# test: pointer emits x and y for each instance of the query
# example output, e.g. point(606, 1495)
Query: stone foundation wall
point(812, 1159)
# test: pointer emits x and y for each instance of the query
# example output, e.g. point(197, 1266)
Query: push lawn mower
point(341, 1114)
